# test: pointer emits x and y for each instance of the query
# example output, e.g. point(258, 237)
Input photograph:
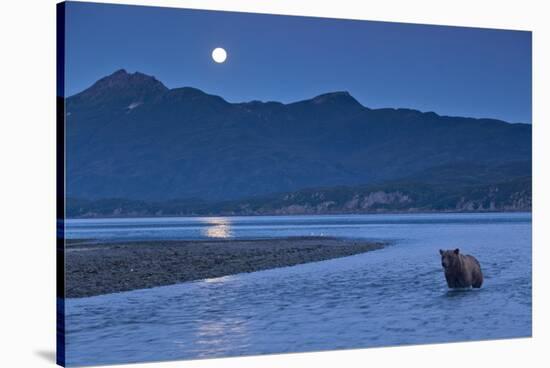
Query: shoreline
point(297, 214)
point(94, 268)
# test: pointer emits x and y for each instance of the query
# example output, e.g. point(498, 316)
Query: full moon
point(219, 55)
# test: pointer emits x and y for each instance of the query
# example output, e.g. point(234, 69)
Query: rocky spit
point(94, 268)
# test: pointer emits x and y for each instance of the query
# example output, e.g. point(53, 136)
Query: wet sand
point(94, 268)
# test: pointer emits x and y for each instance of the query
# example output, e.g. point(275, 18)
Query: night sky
point(450, 70)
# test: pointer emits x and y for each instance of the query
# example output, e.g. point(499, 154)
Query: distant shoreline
point(298, 214)
point(95, 268)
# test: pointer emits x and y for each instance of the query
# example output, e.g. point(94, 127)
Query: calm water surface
point(393, 296)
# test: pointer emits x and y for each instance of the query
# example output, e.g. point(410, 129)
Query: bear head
point(449, 258)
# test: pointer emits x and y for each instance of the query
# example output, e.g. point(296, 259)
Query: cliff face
point(516, 201)
point(509, 196)
point(358, 203)
point(380, 202)
point(514, 195)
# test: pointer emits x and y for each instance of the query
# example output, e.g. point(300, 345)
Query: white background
point(27, 179)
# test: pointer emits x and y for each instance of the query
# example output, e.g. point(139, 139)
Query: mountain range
point(129, 137)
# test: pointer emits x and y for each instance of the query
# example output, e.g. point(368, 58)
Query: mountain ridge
point(129, 136)
point(123, 71)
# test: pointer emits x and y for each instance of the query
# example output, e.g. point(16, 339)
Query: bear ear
point(457, 251)
point(441, 251)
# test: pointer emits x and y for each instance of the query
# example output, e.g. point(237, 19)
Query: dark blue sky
point(449, 70)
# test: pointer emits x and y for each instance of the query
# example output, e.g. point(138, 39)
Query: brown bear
point(461, 270)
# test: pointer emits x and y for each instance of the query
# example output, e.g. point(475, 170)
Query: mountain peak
point(123, 83)
point(337, 97)
point(333, 94)
point(121, 78)
point(120, 72)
